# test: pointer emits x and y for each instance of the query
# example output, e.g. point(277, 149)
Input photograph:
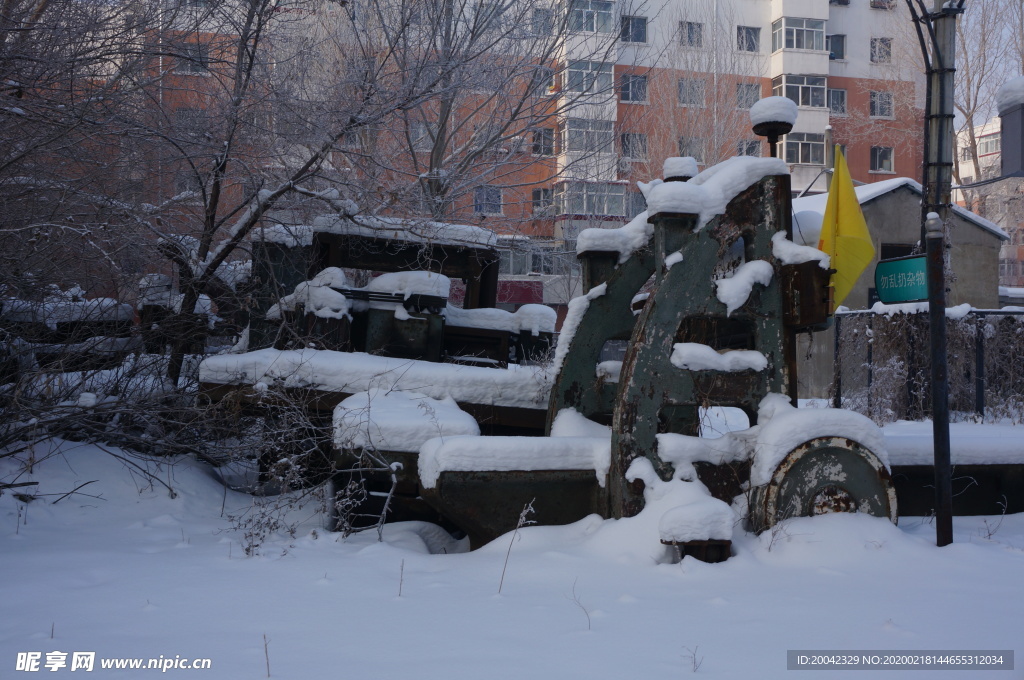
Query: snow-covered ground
point(123, 570)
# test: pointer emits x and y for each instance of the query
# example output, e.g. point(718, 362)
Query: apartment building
point(979, 158)
point(687, 73)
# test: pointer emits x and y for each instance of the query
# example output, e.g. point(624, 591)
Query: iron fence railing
point(881, 364)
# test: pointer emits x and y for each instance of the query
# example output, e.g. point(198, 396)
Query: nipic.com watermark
point(86, 661)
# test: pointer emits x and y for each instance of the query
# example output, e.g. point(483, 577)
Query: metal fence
point(882, 364)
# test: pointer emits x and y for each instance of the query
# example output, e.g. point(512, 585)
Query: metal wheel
point(824, 475)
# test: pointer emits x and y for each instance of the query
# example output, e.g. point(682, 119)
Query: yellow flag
point(844, 234)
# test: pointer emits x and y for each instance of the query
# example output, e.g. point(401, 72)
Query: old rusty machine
point(678, 267)
point(657, 294)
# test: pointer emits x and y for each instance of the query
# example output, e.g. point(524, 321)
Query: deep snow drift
point(123, 570)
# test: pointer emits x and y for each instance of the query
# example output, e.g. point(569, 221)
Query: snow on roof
point(291, 236)
point(391, 420)
point(869, 192)
point(416, 231)
point(65, 306)
point(774, 110)
point(1010, 94)
point(468, 454)
point(351, 372)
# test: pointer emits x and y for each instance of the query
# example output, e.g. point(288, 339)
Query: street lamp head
point(773, 117)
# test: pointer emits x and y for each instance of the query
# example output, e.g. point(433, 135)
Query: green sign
point(902, 279)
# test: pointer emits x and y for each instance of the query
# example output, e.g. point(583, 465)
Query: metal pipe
point(940, 381)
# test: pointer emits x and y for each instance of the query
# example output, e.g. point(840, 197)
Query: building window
point(881, 50)
point(804, 90)
point(805, 148)
point(634, 146)
point(542, 80)
point(691, 34)
point(634, 29)
point(747, 94)
point(881, 159)
point(748, 39)
point(585, 134)
point(880, 104)
point(590, 198)
point(543, 143)
point(514, 262)
point(590, 16)
point(988, 144)
point(692, 147)
point(194, 59)
point(748, 147)
point(837, 102)
point(542, 201)
point(691, 92)
point(190, 123)
point(798, 34)
point(836, 46)
point(542, 22)
point(839, 2)
point(633, 88)
point(883, 4)
point(487, 200)
point(589, 76)
point(635, 203)
point(419, 136)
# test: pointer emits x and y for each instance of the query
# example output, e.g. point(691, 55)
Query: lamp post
point(939, 380)
point(938, 47)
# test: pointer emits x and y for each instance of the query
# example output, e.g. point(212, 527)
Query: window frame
point(588, 77)
point(834, 54)
point(542, 141)
point(880, 51)
point(753, 95)
point(633, 88)
point(792, 33)
point(598, 136)
point(194, 59)
point(691, 34)
point(831, 106)
point(542, 201)
point(628, 29)
point(691, 147)
point(807, 89)
point(880, 157)
point(484, 199)
point(694, 89)
point(745, 44)
point(745, 145)
point(880, 104)
point(637, 142)
point(591, 16)
point(605, 199)
point(809, 148)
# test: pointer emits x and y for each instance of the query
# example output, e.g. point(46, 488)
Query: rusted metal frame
point(649, 382)
point(608, 317)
